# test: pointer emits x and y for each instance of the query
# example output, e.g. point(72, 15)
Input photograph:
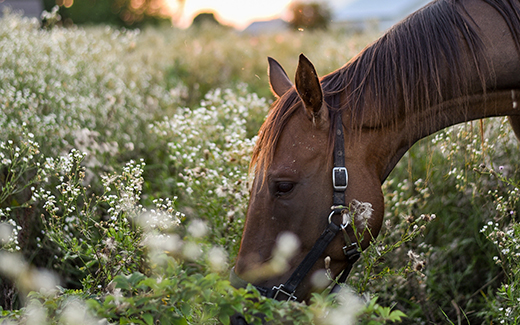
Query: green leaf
point(135, 278)
point(185, 308)
point(131, 321)
point(224, 319)
point(108, 301)
point(396, 315)
point(384, 312)
point(122, 282)
point(148, 319)
point(180, 321)
point(148, 283)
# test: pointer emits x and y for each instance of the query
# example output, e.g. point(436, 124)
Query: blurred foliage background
point(139, 13)
point(126, 13)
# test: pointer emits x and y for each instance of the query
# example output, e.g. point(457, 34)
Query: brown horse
point(450, 62)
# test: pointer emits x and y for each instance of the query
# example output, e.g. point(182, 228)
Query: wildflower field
point(123, 187)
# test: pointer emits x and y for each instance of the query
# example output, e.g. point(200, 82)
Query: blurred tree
point(127, 13)
point(309, 15)
point(205, 18)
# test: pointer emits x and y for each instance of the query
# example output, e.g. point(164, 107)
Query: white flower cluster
point(123, 195)
point(127, 194)
point(400, 199)
point(63, 167)
point(9, 235)
point(21, 159)
point(163, 218)
point(90, 90)
point(210, 144)
point(469, 143)
point(507, 241)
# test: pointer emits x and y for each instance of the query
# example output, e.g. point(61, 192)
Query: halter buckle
point(339, 178)
point(279, 289)
point(351, 252)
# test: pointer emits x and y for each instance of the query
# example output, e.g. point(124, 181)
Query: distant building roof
point(268, 26)
point(30, 8)
point(386, 13)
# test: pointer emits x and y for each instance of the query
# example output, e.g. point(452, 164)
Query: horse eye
point(284, 188)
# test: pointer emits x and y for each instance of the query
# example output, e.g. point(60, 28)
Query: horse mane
point(415, 65)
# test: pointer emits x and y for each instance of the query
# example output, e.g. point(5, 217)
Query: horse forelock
point(279, 114)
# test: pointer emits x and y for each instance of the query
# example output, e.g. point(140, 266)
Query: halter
point(286, 291)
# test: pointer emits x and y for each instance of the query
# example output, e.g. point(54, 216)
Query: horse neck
point(393, 142)
point(480, 85)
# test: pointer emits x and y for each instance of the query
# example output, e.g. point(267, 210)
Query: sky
point(239, 13)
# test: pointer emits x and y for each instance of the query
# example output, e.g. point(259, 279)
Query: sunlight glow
point(238, 13)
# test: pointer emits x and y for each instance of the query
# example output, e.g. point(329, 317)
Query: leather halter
point(286, 291)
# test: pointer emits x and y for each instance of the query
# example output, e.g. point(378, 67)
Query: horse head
point(292, 192)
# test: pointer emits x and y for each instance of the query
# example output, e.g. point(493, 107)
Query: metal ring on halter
point(333, 213)
point(345, 222)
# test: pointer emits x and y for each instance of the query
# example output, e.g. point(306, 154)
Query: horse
point(450, 62)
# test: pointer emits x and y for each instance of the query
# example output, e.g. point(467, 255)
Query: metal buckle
point(350, 249)
point(339, 178)
point(351, 252)
point(290, 296)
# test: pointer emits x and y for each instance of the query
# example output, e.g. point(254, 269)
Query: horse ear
point(308, 86)
point(278, 79)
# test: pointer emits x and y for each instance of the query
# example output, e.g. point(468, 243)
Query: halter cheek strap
point(339, 184)
point(286, 291)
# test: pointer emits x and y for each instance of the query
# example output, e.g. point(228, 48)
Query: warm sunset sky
point(239, 13)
